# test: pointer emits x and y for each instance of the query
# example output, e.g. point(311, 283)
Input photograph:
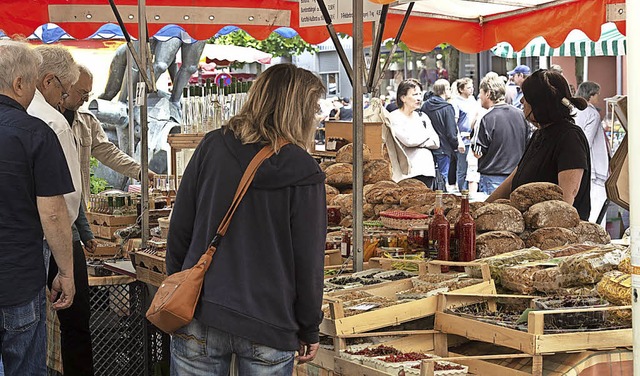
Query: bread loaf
point(375, 194)
point(331, 192)
point(412, 183)
point(345, 154)
point(376, 170)
point(339, 174)
point(368, 211)
point(422, 209)
point(530, 194)
point(591, 232)
point(497, 242)
point(325, 164)
point(551, 237)
point(498, 217)
point(473, 206)
point(414, 197)
point(553, 213)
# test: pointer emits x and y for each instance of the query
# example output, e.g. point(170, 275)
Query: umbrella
point(224, 55)
point(469, 25)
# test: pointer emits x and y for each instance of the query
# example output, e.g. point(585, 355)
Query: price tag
point(140, 93)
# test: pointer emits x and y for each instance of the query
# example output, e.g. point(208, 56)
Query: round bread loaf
point(325, 164)
point(339, 174)
point(529, 194)
point(591, 232)
point(375, 194)
point(345, 154)
point(551, 237)
point(498, 217)
point(497, 242)
point(553, 213)
point(331, 192)
point(412, 183)
point(376, 170)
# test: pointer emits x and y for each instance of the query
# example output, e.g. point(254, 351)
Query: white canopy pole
point(633, 116)
point(358, 135)
point(144, 126)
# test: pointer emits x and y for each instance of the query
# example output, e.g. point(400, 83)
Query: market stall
point(571, 14)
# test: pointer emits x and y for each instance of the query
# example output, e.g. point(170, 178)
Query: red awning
point(429, 26)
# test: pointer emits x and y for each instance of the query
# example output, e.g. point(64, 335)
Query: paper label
point(364, 307)
point(341, 12)
point(140, 93)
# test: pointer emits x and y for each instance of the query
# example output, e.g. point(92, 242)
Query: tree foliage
point(275, 44)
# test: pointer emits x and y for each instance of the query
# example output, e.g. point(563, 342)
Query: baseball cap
point(521, 69)
point(345, 100)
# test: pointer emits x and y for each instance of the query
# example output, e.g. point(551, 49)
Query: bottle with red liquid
point(439, 231)
point(466, 231)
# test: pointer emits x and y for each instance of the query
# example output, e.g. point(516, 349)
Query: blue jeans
point(23, 338)
point(198, 349)
point(461, 169)
point(443, 161)
point(489, 183)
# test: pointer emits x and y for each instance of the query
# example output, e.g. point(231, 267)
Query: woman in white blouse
point(409, 136)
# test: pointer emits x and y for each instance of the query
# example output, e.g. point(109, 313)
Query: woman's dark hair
point(550, 98)
point(404, 87)
point(587, 90)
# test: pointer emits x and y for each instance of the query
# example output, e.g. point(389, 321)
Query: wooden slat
point(110, 280)
point(485, 332)
point(479, 366)
point(583, 341)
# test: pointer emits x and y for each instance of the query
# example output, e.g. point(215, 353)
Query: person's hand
point(307, 352)
point(62, 292)
point(151, 175)
point(461, 148)
point(91, 245)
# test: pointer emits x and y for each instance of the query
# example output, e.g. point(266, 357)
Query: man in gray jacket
point(91, 138)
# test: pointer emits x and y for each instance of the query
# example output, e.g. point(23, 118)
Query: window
point(331, 82)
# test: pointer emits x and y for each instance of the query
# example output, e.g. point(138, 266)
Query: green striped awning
point(611, 43)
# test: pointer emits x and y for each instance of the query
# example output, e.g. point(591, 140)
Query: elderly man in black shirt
point(33, 178)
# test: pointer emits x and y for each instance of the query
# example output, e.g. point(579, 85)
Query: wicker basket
point(402, 220)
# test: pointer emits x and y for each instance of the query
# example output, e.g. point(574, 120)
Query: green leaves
point(275, 44)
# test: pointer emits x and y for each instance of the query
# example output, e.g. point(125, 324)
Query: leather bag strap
point(243, 186)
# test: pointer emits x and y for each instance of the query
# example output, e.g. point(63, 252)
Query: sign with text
point(341, 12)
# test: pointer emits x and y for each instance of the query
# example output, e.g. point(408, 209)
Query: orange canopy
point(426, 28)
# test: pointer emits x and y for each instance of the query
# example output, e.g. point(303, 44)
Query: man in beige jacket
point(91, 138)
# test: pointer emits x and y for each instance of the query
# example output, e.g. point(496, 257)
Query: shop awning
point(611, 43)
point(469, 25)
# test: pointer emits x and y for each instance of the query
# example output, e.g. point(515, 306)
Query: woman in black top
point(558, 151)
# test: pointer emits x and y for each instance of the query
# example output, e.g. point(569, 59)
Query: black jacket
point(265, 282)
point(443, 119)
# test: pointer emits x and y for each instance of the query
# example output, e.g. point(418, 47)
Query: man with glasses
point(92, 140)
point(56, 75)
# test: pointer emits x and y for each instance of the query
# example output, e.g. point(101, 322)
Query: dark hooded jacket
point(265, 283)
point(443, 119)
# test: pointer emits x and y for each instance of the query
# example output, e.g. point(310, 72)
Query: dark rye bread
point(553, 213)
point(376, 170)
point(339, 174)
point(551, 237)
point(498, 217)
point(497, 242)
point(345, 154)
point(591, 232)
point(527, 195)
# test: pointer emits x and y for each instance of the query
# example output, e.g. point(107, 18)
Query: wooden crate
point(149, 276)
point(110, 220)
point(149, 261)
point(105, 232)
point(534, 341)
point(338, 325)
point(105, 248)
point(332, 257)
point(344, 129)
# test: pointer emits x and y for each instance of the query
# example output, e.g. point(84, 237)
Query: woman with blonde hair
point(262, 295)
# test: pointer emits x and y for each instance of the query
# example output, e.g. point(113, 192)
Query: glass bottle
point(345, 244)
point(439, 231)
point(466, 231)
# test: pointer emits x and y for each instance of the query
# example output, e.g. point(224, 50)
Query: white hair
point(58, 61)
point(17, 59)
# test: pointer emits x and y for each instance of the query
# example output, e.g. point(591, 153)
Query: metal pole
point(144, 129)
point(131, 95)
point(336, 41)
point(358, 134)
point(633, 117)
